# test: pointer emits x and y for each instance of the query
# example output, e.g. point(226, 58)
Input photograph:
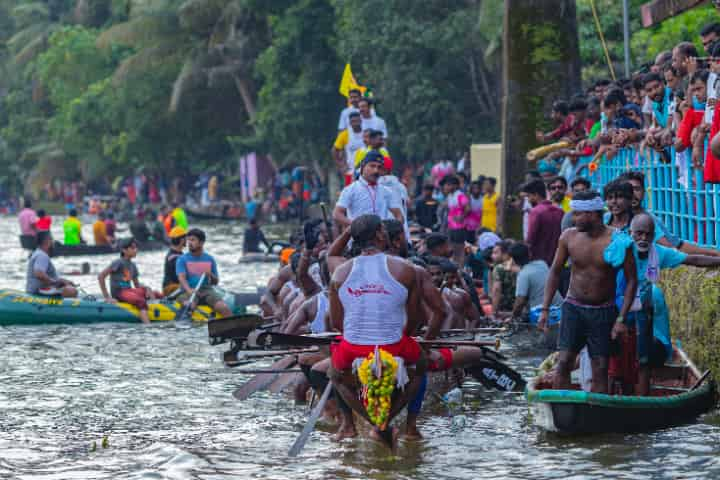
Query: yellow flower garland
point(377, 392)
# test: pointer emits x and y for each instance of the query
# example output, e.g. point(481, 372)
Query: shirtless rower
point(589, 314)
point(462, 313)
point(374, 301)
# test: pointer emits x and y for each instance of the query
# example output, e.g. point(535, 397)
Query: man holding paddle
point(190, 269)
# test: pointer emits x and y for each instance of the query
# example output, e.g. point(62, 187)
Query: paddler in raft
point(125, 285)
point(190, 268)
point(589, 315)
point(42, 278)
point(178, 240)
point(374, 302)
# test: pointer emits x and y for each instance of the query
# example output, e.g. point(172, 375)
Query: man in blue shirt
point(191, 266)
point(650, 258)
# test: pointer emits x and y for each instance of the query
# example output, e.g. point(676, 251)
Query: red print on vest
point(368, 289)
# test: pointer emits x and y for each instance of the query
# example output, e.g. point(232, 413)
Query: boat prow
point(679, 394)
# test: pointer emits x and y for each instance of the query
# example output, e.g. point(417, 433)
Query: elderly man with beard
point(589, 314)
point(650, 259)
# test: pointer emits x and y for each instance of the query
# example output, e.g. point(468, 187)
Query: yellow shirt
point(565, 204)
point(100, 233)
point(489, 212)
point(360, 154)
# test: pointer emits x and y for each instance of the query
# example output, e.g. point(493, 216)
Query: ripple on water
point(164, 400)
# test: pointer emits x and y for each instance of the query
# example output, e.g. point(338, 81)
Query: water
point(163, 399)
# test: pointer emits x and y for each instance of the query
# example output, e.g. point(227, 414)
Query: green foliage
point(692, 295)
point(71, 64)
point(432, 67)
point(685, 27)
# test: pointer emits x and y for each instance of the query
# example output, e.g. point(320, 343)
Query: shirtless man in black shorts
point(589, 314)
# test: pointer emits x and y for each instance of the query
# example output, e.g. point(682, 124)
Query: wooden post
point(541, 63)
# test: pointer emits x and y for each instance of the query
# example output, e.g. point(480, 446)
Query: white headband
point(591, 205)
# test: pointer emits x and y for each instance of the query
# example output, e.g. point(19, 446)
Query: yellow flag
point(348, 82)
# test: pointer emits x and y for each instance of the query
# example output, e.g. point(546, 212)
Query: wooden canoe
point(679, 394)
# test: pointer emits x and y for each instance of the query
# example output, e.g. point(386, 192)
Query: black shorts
point(591, 326)
point(457, 236)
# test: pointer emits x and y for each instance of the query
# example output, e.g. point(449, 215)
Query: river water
point(162, 398)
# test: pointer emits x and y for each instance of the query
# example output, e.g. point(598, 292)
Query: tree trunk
point(246, 92)
point(541, 63)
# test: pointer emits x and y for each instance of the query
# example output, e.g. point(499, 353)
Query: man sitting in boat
point(191, 266)
point(125, 285)
point(589, 315)
point(252, 238)
point(651, 257)
point(178, 240)
point(100, 230)
point(72, 227)
point(42, 278)
point(374, 301)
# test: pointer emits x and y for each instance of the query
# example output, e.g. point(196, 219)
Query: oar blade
point(262, 381)
point(310, 425)
point(497, 375)
point(238, 326)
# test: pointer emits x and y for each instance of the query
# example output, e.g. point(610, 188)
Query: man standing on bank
point(589, 314)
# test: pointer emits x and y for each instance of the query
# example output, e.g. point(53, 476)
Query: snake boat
point(679, 394)
point(18, 308)
point(59, 250)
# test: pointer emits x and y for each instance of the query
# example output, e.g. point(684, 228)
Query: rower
point(252, 238)
point(190, 268)
point(139, 229)
point(178, 240)
point(461, 312)
point(100, 231)
point(110, 227)
point(72, 227)
point(42, 278)
point(374, 301)
point(589, 315)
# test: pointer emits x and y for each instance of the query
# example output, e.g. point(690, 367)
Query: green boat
point(679, 394)
point(18, 308)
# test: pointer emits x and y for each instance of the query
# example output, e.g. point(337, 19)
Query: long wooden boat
point(17, 308)
point(679, 394)
point(59, 250)
point(211, 214)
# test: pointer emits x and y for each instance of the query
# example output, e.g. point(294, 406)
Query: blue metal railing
point(675, 192)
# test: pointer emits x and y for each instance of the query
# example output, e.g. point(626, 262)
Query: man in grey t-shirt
point(530, 284)
point(42, 278)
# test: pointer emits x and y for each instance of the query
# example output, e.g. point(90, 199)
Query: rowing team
point(183, 274)
point(364, 287)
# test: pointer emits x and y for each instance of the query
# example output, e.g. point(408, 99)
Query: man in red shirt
point(561, 116)
point(543, 222)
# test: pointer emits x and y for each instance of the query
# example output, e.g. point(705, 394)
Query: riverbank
point(693, 295)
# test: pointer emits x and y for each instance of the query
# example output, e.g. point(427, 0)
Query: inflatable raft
point(18, 308)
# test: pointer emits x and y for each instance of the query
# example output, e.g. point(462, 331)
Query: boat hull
point(680, 394)
point(59, 250)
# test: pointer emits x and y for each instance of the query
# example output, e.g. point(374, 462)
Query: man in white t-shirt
point(347, 143)
point(354, 96)
point(371, 120)
point(366, 196)
point(397, 189)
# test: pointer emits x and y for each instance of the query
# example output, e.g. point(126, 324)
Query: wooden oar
point(180, 319)
point(461, 343)
point(310, 425)
point(287, 378)
point(263, 380)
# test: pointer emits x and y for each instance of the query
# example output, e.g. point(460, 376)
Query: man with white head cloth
point(589, 314)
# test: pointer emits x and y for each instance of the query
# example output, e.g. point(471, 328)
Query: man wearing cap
point(366, 196)
point(373, 141)
point(170, 281)
point(589, 315)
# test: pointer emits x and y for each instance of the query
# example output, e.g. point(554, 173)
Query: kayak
point(679, 393)
point(59, 250)
point(18, 308)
